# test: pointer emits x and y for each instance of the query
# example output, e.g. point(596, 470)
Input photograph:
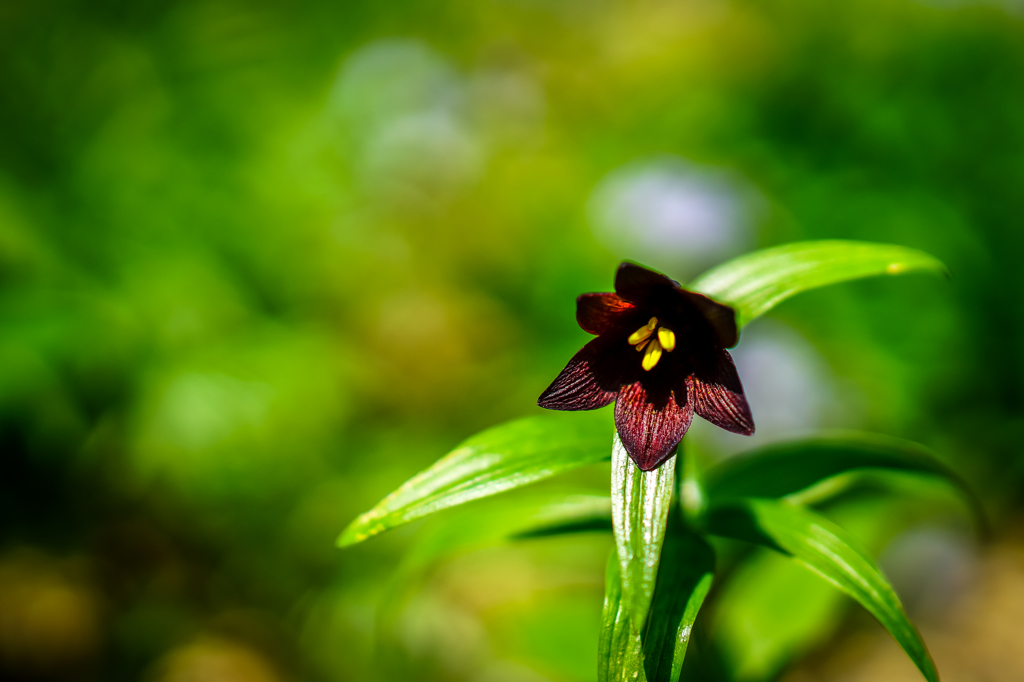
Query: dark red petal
point(721, 317)
point(597, 313)
point(650, 435)
point(717, 395)
point(637, 284)
point(576, 388)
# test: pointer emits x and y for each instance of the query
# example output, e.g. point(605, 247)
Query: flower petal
point(637, 284)
point(576, 387)
point(650, 434)
point(721, 317)
point(717, 395)
point(598, 313)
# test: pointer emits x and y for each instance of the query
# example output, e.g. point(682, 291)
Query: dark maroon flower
point(660, 353)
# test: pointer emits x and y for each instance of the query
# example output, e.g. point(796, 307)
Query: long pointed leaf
point(832, 553)
point(771, 611)
point(684, 578)
point(786, 468)
point(620, 655)
point(754, 641)
point(755, 283)
point(498, 459)
point(640, 505)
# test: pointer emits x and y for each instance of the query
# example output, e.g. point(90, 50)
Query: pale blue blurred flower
point(670, 214)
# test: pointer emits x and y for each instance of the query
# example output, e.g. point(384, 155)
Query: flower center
point(664, 340)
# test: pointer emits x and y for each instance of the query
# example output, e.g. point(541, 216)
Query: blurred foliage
point(261, 262)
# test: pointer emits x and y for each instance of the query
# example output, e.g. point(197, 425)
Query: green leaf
point(620, 655)
point(770, 611)
point(756, 644)
point(786, 468)
point(684, 578)
point(493, 461)
point(640, 505)
point(755, 283)
point(829, 551)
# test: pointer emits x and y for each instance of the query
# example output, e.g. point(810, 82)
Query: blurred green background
point(261, 262)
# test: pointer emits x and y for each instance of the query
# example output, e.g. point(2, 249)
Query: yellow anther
point(642, 333)
point(651, 355)
point(667, 339)
point(652, 323)
point(640, 346)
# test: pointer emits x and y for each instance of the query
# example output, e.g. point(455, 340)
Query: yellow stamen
point(667, 339)
point(651, 355)
point(640, 346)
point(643, 332)
point(639, 336)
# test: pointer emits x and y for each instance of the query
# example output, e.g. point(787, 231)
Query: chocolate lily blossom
point(660, 354)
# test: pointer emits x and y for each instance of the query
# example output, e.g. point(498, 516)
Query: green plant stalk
point(640, 505)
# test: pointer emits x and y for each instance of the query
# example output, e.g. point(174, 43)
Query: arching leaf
point(501, 458)
point(829, 551)
point(755, 283)
point(785, 468)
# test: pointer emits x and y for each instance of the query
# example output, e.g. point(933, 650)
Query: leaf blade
point(782, 469)
point(640, 504)
point(756, 282)
point(684, 579)
point(619, 646)
point(831, 553)
point(501, 458)
point(756, 643)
